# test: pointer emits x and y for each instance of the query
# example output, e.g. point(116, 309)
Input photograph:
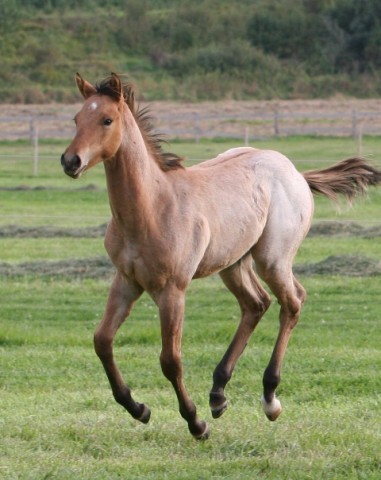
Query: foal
point(171, 224)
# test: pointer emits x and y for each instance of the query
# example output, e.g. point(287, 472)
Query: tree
point(360, 20)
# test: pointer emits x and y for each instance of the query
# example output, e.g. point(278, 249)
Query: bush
point(257, 49)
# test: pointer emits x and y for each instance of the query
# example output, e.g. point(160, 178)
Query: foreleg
point(171, 306)
point(123, 294)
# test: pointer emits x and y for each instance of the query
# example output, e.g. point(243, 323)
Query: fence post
point(359, 139)
point(276, 123)
point(34, 140)
point(354, 124)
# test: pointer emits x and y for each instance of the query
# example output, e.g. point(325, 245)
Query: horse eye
point(107, 122)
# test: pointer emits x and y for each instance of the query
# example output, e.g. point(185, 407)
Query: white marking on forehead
point(93, 106)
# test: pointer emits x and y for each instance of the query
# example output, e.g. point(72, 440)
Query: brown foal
point(170, 224)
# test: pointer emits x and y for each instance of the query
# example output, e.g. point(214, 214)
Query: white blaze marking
point(93, 106)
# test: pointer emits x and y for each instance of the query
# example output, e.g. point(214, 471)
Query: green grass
point(57, 416)
point(62, 201)
point(18, 250)
point(54, 207)
point(313, 249)
point(57, 409)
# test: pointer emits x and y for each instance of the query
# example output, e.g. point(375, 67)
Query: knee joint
point(266, 302)
point(290, 312)
point(258, 308)
point(102, 345)
point(170, 365)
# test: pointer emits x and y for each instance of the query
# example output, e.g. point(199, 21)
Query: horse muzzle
point(72, 165)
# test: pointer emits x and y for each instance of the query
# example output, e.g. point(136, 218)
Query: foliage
point(263, 49)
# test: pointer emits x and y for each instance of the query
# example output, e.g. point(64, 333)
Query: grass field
point(57, 416)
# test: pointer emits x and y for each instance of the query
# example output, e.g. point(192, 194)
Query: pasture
point(57, 415)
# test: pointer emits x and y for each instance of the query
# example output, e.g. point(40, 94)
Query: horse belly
point(228, 246)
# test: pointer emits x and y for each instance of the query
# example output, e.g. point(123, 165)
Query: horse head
point(98, 126)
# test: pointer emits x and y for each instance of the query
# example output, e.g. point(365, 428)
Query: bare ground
point(346, 265)
point(227, 118)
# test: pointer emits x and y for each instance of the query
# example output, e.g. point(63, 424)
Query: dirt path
point(227, 118)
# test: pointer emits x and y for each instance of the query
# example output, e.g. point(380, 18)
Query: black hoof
point(145, 415)
point(204, 435)
point(218, 411)
point(218, 404)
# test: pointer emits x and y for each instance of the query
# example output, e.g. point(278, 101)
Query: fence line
point(190, 125)
point(189, 160)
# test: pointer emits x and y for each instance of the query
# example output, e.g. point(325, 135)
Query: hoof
point(218, 411)
point(272, 409)
point(218, 404)
point(205, 434)
point(145, 415)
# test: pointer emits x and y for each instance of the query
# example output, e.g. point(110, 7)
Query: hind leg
point(241, 280)
point(288, 222)
point(291, 296)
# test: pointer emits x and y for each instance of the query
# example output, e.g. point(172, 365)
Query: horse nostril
point(71, 164)
point(75, 162)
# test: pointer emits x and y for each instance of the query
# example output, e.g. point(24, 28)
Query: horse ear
point(116, 85)
point(86, 89)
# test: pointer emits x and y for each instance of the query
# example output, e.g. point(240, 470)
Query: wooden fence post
point(34, 140)
point(276, 123)
point(359, 139)
point(354, 124)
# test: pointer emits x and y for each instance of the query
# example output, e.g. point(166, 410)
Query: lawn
point(56, 407)
point(57, 416)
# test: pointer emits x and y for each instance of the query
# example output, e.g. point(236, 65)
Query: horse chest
point(135, 262)
point(120, 252)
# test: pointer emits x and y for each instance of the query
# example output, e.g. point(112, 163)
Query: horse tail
point(350, 178)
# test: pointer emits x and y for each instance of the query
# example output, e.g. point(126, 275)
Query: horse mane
point(154, 141)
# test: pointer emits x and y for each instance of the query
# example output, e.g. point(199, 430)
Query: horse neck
point(133, 178)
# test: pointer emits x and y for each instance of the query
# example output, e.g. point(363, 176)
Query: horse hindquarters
point(288, 222)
